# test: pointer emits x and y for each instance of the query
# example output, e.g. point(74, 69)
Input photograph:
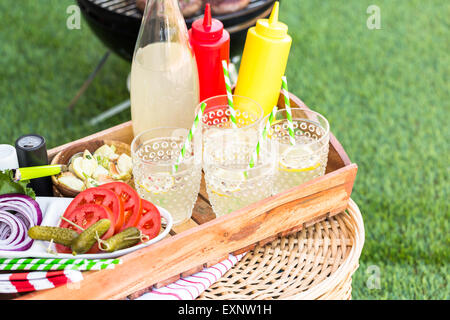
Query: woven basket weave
point(315, 263)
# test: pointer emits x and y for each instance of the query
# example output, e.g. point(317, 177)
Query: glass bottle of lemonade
point(164, 79)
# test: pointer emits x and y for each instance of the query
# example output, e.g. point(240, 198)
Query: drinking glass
point(307, 158)
point(227, 151)
point(154, 153)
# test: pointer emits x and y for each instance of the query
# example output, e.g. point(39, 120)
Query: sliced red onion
point(3, 231)
point(18, 213)
point(29, 205)
point(17, 239)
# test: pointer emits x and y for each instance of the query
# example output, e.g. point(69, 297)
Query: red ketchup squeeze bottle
point(211, 44)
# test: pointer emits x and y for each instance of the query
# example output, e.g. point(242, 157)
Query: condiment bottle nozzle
point(207, 18)
point(274, 14)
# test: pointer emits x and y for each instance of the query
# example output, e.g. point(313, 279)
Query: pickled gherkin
point(64, 236)
point(125, 239)
point(89, 237)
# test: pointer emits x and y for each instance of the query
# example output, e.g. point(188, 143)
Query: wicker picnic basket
point(315, 263)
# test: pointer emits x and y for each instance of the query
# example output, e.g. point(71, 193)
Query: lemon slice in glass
point(158, 183)
point(298, 158)
point(227, 181)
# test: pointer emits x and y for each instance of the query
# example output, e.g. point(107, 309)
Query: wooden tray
point(205, 240)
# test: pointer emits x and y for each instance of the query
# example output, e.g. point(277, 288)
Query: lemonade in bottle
point(164, 80)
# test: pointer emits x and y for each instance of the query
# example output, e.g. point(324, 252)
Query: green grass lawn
point(385, 93)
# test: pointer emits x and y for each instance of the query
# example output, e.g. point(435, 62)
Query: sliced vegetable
point(130, 199)
point(85, 216)
point(100, 196)
point(13, 233)
point(23, 206)
point(150, 219)
point(18, 213)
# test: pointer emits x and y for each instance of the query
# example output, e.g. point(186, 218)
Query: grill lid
point(129, 8)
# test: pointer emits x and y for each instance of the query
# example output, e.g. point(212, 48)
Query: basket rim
point(338, 284)
point(345, 270)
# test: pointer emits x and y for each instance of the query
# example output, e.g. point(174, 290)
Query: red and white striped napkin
point(37, 280)
point(189, 288)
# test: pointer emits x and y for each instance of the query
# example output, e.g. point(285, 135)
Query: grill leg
point(88, 81)
point(111, 112)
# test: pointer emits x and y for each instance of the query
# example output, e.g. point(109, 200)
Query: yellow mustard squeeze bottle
point(264, 61)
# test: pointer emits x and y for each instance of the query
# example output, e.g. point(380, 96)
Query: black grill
point(117, 22)
point(124, 7)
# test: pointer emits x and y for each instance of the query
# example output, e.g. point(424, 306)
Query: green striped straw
point(226, 75)
point(263, 137)
point(189, 137)
point(287, 104)
point(57, 264)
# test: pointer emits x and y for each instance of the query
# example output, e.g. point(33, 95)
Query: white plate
point(52, 208)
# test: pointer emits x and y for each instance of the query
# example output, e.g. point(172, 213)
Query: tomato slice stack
point(131, 203)
point(116, 201)
point(103, 197)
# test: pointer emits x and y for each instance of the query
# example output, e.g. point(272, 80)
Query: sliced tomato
point(84, 216)
point(150, 221)
point(100, 196)
point(130, 199)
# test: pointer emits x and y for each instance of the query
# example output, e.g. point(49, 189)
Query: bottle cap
point(207, 29)
point(271, 27)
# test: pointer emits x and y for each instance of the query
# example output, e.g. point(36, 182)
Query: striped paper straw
point(32, 281)
point(57, 264)
point(189, 137)
point(101, 265)
point(263, 136)
point(226, 75)
point(285, 91)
